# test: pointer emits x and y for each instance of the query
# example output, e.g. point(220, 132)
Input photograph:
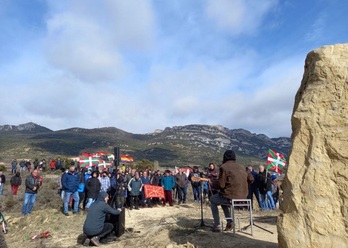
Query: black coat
point(16, 180)
point(265, 182)
point(94, 222)
point(93, 186)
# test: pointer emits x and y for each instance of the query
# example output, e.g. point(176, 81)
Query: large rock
point(315, 212)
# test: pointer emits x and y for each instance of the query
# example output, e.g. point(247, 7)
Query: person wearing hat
point(233, 183)
point(95, 228)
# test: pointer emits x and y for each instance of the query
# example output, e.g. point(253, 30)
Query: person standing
point(70, 183)
point(15, 182)
point(93, 187)
point(32, 185)
point(2, 181)
point(254, 187)
point(180, 180)
point(145, 179)
point(213, 176)
point(233, 183)
point(168, 183)
point(135, 187)
point(105, 182)
point(265, 188)
point(194, 178)
point(14, 166)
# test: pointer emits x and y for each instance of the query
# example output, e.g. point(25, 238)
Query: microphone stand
point(201, 223)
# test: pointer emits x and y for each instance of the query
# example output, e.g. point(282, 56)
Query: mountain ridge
point(177, 145)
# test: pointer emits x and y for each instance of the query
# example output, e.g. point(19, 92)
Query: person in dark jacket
point(93, 187)
point(95, 227)
point(32, 185)
point(135, 187)
point(15, 182)
point(156, 180)
point(213, 176)
point(194, 177)
point(145, 179)
point(254, 187)
point(233, 183)
point(265, 188)
point(70, 184)
point(181, 182)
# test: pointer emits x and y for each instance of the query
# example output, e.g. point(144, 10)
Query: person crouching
point(95, 227)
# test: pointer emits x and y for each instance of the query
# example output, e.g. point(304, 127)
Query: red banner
point(153, 191)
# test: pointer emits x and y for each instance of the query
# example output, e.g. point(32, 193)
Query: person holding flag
point(265, 188)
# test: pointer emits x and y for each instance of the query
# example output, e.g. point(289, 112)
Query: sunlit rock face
point(315, 205)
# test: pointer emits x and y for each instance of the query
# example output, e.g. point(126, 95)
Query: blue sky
point(143, 65)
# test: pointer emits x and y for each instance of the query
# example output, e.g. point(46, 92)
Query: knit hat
point(229, 155)
point(102, 195)
point(274, 177)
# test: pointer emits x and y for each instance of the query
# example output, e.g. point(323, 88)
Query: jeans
point(76, 201)
point(254, 191)
point(225, 203)
point(196, 192)
point(182, 191)
point(269, 204)
point(29, 200)
point(1, 188)
point(89, 202)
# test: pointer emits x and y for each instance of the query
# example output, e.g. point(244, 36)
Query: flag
point(88, 161)
point(126, 159)
point(153, 191)
point(187, 171)
point(275, 161)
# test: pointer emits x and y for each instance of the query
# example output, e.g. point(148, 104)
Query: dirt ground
point(170, 227)
point(150, 227)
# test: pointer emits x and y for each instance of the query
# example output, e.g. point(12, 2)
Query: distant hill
point(179, 145)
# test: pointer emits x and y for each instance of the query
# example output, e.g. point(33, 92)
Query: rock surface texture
point(315, 205)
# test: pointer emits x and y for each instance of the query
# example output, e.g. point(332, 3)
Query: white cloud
point(86, 39)
point(239, 16)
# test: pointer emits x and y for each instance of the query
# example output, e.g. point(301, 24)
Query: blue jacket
point(168, 182)
point(70, 182)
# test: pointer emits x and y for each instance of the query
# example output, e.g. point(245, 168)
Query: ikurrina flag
point(275, 161)
point(86, 160)
point(153, 191)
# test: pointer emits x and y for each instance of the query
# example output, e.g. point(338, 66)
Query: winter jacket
point(234, 180)
point(93, 186)
point(135, 186)
point(213, 176)
point(70, 182)
point(168, 182)
point(264, 182)
point(181, 180)
point(195, 174)
point(16, 180)
point(94, 222)
point(156, 180)
point(30, 183)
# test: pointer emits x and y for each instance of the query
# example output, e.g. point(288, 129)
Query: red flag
point(153, 191)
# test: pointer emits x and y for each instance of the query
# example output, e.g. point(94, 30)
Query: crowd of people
point(80, 187)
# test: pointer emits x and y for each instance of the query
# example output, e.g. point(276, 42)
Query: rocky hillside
point(191, 144)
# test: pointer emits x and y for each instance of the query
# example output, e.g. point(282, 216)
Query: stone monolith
point(315, 212)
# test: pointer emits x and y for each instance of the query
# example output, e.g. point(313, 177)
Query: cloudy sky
point(142, 65)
